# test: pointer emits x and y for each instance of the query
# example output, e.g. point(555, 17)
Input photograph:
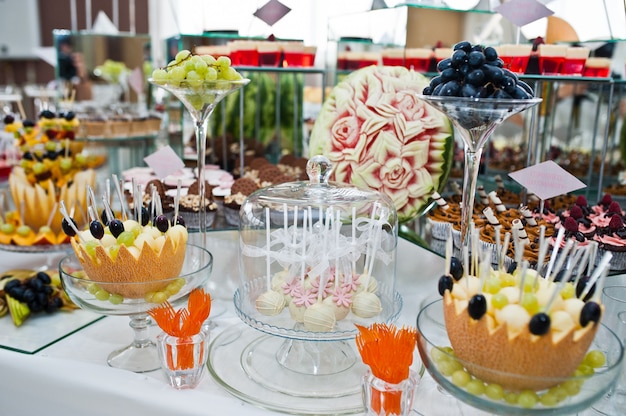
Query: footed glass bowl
point(104, 298)
point(567, 397)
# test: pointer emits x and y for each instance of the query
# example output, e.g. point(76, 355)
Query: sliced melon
point(380, 136)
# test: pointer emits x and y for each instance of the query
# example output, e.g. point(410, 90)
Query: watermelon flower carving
point(380, 136)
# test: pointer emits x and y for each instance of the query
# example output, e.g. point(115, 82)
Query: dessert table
point(71, 377)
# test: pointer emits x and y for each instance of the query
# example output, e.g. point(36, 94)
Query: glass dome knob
point(319, 169)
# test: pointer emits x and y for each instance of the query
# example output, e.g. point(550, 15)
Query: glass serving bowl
point(567, 397)
point(104, 298)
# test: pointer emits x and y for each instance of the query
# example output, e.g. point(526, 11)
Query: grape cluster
point(475, 71)
point(448, 365)
point(193, 70)
point(37, 292)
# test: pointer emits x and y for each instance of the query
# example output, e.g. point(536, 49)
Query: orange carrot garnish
point(388, 352)
point(182, 324)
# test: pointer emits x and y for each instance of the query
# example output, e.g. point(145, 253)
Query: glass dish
point(575, 393)
point(141, 354)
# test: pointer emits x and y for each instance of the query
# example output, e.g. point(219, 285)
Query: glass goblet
point(200, 99)
point(475, 120)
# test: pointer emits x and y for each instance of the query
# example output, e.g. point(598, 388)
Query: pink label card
point(164, 162)
point(523, 12)
point(135, 80)
point(547, 180)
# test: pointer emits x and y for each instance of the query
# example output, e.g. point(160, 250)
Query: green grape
point(23, 230)
point(201, 67)
point(595, 359)
point(572, 387)
point(113, 250)
point(159, 297)
point(209, 59)
point(93, 288)
point(90, 247)
point(160, 75)
point(116, 299)
point(530, 303)
point(194, 79)
point(230, 74)
point(149, 296)
point(494, 391)
point(475, 387)
point(182, 55)
point(527, 399)
point(510, 397)
point(172, 288)
point(559, 392)
point(499, 300)
point(549, 399)
point(126, 238)
point(438, 355)
point(568, 291)
point(460, 378)
point(584, 370)
point(223, 61)
point(189, 66)
point(102, 295)
point(449, 367)
point(492, 285)
point(7, 228)
point(211, 74)
point(196, 101)
point(177, 74)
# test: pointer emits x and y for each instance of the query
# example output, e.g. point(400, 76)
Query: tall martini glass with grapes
point(200, 82)
point(477, 95)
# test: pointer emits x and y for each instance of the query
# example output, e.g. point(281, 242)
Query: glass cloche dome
point(316, 258)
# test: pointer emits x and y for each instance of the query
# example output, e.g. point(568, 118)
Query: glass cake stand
point(308, 244)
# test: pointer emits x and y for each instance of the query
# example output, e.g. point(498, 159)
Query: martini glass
point(200, 99)
point(475, 119)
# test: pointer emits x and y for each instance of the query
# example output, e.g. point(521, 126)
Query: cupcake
point(442, 216)
point(189, 207)
point(241, 188)
point(613, 239)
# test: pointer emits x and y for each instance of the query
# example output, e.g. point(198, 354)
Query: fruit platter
point(52, 167)
point(35, 310)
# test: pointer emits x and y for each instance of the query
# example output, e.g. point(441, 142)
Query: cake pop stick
point(118, 190)
point(179, 184)
point(522, 280)
point(353, 242)
point(267, 248)
point(561, 260)
point(583, 264)
point(505, 244)
point(337, 225)
point(70, 222)
point(555, 250)
point(600, 270)
point(304, 235)
point(499, 258)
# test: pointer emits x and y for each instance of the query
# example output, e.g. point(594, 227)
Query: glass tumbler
point(183, 358)
point(383, 398)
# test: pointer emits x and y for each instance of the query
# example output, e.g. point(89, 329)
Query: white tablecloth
point(71, 376)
